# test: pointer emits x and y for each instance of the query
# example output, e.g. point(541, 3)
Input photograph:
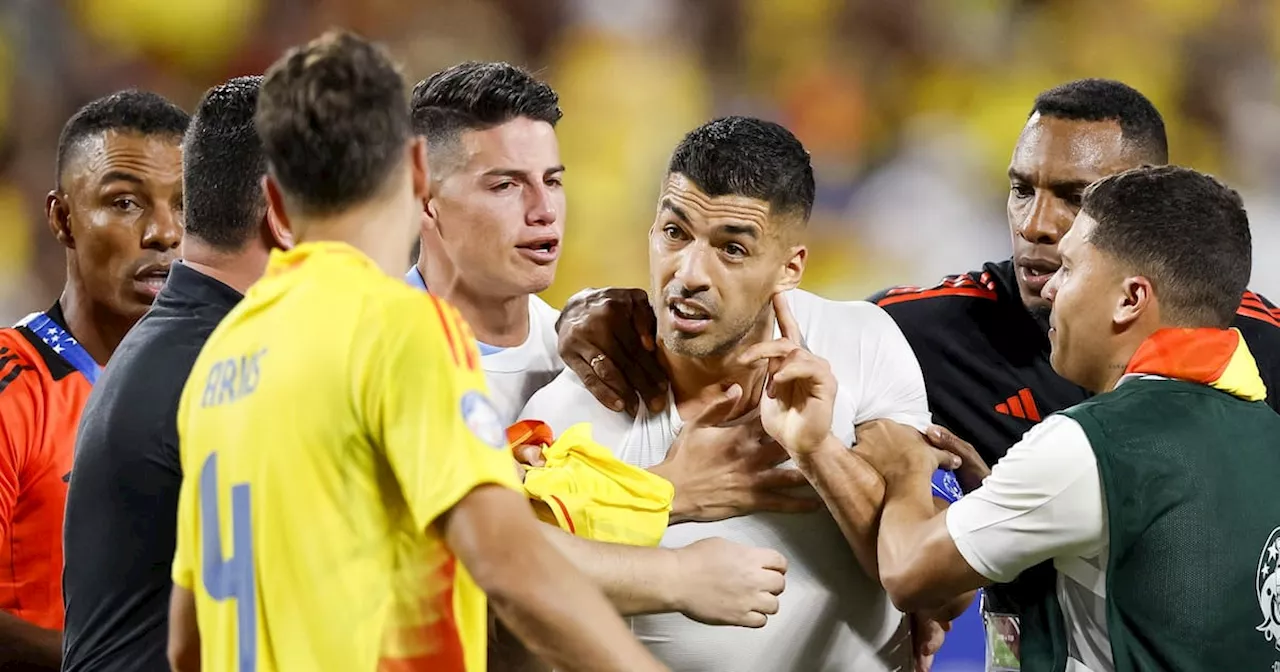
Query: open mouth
point(542, 251)
point(1036, 272)
point(688, 317)
point(151, 280)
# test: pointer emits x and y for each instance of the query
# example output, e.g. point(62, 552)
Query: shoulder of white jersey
point(838, 323)
point(565, 402)
point(543, 318)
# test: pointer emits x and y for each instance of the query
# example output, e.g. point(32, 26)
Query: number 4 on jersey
point(232, 578)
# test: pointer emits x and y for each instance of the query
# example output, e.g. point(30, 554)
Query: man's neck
point(1118, 360)
point(498, 321)
point(97, 329)
point(697, 380)
point(237, 270)
point(353, 227)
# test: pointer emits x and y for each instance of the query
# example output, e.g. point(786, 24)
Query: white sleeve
point(544, 321)
point(1042, 500)
point(869, 356)
point(894, 389)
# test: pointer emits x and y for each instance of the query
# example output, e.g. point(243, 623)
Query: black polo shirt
point(986, 359)
point(120, 527)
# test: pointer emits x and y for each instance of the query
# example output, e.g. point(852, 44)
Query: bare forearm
point(635, 580)
point(551, 607)
point(955, 608)
point(853, 492)
point(904, 525)
point(548, 601)
point(184, 631)
point(24, 646)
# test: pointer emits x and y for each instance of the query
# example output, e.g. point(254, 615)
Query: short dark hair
point(475, 96)
point(141, 112)
point(1185, 231)
point(743, 156)
point(1108, 100)
point(333, 117)
point(223, 165)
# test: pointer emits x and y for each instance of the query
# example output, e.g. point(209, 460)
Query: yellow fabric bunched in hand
point(589, 492)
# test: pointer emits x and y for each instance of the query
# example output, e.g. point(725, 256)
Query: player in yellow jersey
point(347, 493)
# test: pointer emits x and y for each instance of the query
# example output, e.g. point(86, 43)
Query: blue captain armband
point(945, 486)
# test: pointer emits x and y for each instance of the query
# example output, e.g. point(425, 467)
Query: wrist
point(671, 592)
point(909, 475)
point(823, 452)
point(679, 503)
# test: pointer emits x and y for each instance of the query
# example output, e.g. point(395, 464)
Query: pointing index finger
point(786, 321)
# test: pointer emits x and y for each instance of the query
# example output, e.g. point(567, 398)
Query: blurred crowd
point(909, 107)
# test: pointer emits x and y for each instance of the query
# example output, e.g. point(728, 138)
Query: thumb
point(720, 408)
point(529, 455)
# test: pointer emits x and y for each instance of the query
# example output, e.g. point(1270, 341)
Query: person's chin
point(134, 306)
point(1055, 358)
point(683, 343)
point(538, 278)
point(1038, 308)
point(539, 285)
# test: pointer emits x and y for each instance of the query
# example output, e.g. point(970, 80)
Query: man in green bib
point(1155, 501)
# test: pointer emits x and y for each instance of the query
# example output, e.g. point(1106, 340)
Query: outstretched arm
point(712, 581)
point(1042, 501)
point(551, 607)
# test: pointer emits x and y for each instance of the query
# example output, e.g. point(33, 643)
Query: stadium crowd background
point(910, 107)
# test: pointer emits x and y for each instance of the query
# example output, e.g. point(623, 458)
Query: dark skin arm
point(619, 324)
point(26, 647)
point(184, 635)
point(973, 470)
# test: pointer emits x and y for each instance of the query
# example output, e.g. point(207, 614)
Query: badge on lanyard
point(62, 343)
point(1004, 639)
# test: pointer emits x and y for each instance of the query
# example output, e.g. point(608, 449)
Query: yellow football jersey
point(329, 420)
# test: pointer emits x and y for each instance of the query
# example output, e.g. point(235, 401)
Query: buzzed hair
point(333, 117)
point(475, 96)
point(141, 112)
point(1185, 231)
point(1108, 100)
point(743, 156)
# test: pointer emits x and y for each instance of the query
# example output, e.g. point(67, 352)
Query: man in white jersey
point(492, 228)
point(727, 238)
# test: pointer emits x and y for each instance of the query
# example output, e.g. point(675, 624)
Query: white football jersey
point(832, 615)
point(515, 373)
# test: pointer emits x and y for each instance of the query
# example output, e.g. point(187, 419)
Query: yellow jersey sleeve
point(428, 408)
